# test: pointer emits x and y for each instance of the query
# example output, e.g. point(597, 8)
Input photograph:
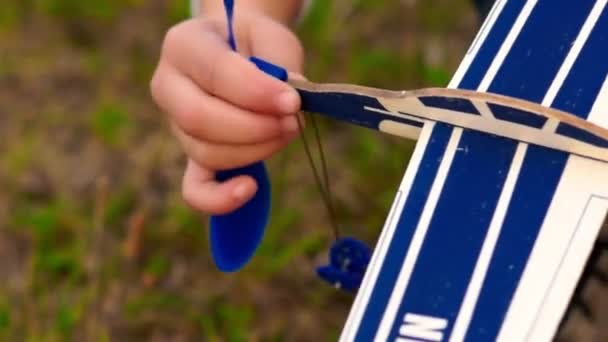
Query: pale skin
point(224, 112)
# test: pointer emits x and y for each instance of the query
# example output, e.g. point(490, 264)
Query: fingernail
point(290, 124)
point(241, 192)
point(287, 102)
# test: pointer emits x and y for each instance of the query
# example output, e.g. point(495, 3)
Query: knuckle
point(216, 158)
point(211, 75)
point(189, 117)
point(203, 155)
point(269, 150)
point(294, 43)
point(296, 52)
point(212, 157)
point(258, 94)
point(261, 130)
point(172, 38)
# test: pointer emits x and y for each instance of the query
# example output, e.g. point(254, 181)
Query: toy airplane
point(399, 112)
point(506, 190)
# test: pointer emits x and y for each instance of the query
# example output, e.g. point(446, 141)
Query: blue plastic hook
point(348, 260)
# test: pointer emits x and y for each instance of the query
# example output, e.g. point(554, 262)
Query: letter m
point(422, 327)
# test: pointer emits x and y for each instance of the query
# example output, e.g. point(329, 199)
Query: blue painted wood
point(363, 107)
point(582, 135)
point(408, 217)
point(349, 108)
point(455, 104)
point(542, 168)
point(517, 116)
point(460, 220)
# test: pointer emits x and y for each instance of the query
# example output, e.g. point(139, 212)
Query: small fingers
point(208, 118)
point(200, 52)
point(223, 157)
point(202, 192)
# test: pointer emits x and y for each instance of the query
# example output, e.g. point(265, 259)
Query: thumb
point(274, 42)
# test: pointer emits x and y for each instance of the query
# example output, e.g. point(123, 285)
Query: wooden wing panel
point(487, 236)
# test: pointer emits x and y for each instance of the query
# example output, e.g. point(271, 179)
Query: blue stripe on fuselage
point(589, 72)
point(391, 265)
point(406, 226)
point(491, 45)
point(538, 180)
point(457, 230)
point(540, 173)
point(518, 76)
point(521, 76)
point(537, 54)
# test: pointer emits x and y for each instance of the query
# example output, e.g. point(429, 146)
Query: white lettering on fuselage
point(418, 328)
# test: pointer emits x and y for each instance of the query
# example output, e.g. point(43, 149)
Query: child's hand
point(223, 110)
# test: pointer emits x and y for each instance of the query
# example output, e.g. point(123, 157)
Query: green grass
point(178, 10)
point(156, 301)
point(9, 16)
point(119, 205)
point(110, 123)
point(5, 317)
point(102, 10)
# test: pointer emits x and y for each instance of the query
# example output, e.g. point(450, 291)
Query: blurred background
point(95, 241)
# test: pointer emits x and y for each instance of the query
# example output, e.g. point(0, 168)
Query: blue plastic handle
point(234, 237)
